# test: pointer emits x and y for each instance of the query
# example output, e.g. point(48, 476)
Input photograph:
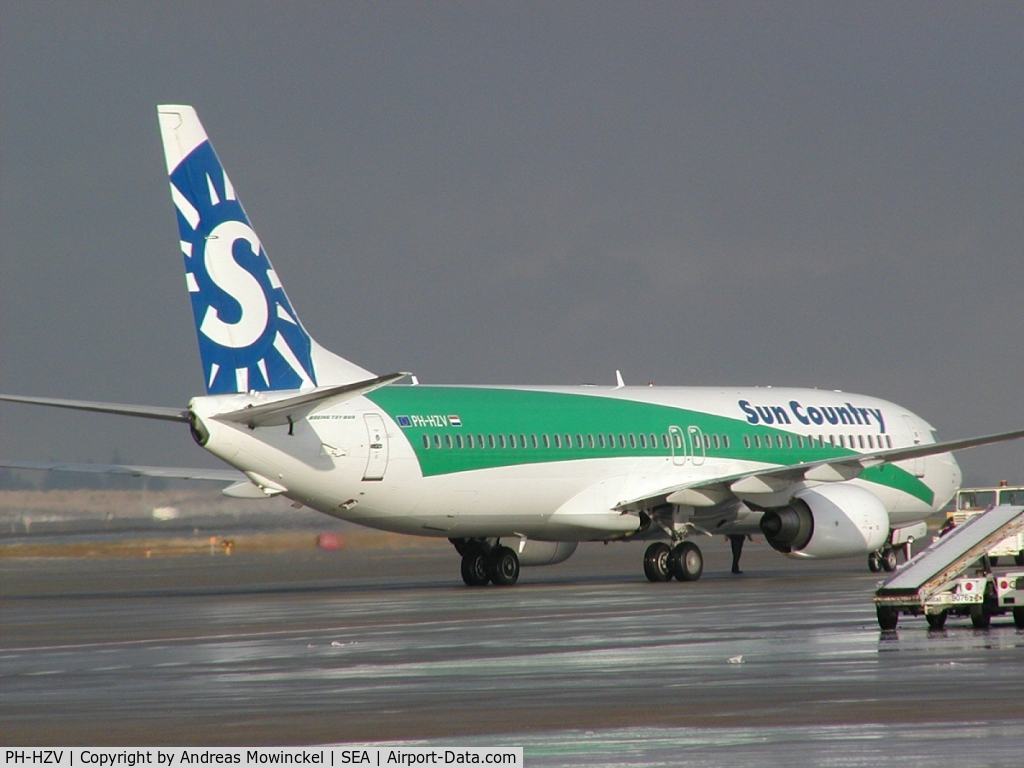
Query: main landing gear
point(683, 561)
point(483, 564)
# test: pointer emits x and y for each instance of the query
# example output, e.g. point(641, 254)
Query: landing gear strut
point(684, 562)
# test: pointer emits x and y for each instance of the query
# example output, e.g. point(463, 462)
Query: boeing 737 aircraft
point(518, 475)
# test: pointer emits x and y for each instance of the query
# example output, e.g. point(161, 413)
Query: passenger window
point(600, 440)
point(511, 441)
point(664, 441)
point(426, 441)
point(533, 439)
point(632, 440)
point(746, 441)
point(448, 440)
point(490, 440)
point(725, 441)
point(458, 441)
point(469, 441)
point(643, 440)
point(579, 440)
point(591, 442)
point(622, 440)
point(558, 441)
point(437, 441)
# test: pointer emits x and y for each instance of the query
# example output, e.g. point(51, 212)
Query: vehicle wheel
point(936, 620)
point(874, 562)
point(687, 561)
point(656, 562)
point(504, 567)
point(888, 617)
point(474, 568)
point(889, 560)
point(980, 618)
point(1018, 618)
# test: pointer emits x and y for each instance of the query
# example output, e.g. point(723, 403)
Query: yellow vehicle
point(974, 501)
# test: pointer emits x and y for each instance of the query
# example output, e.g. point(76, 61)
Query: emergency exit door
point(377, 454)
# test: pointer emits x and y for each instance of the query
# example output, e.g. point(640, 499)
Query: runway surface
point(584, 663)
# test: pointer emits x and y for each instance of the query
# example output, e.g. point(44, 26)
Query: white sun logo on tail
point(249, 335)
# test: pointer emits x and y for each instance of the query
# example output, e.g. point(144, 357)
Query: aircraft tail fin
point(250, 337)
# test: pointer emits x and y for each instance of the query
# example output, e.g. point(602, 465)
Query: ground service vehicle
point(955, 577)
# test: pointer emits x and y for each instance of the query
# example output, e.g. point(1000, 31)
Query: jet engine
point(834, 520)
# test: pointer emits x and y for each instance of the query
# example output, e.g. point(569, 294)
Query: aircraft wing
point(836, 469)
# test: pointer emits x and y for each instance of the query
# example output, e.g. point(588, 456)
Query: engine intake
point(835, 520)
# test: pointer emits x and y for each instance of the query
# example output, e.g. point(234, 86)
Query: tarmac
point(583, 663)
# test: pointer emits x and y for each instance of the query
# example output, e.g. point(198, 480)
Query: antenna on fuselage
point(619, 383)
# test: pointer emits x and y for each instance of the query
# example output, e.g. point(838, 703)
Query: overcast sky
point(822, 194)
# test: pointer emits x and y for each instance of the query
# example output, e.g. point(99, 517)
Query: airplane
point(517, 475)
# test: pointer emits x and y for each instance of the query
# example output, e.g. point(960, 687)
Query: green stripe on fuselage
point(427, 411)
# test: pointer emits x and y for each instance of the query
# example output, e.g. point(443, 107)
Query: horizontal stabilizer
point(139, 411)
point(135, 470)
point(288, 410)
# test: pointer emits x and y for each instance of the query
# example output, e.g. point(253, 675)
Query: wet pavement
point(584, 663)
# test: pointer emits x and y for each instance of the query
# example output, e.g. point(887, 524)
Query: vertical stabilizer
point(250, 337)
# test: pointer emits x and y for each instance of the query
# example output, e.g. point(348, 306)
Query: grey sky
point(697, 193)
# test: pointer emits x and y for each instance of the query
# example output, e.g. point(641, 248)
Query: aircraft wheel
point(656, 562)
point(874, 562)
point(474, 568)
point(889, 560)
point(687, 562)
point(980, 618)
point(504, 567)
point(888, 617)
point(1018, 618)
point(936, 620)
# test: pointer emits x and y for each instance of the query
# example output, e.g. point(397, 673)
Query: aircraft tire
point(657, 560)
point(888, 617)
point(474, 568)
point(889, 560)
point(687, 561)
point(936, 620)
point(503, 567)
point(874, 562)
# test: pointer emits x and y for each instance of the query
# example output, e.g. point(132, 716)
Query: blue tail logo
point(250, 338)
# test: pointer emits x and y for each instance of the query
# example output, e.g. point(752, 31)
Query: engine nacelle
point(835, 520)
point(546, 552)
